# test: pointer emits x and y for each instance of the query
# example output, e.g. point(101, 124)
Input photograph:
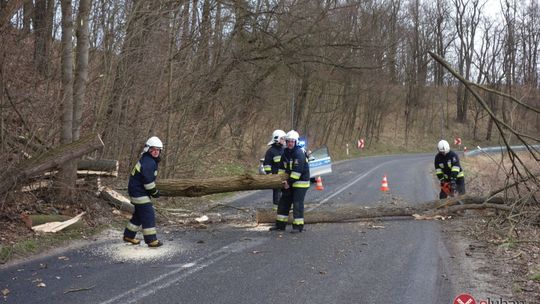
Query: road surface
point(392, 261)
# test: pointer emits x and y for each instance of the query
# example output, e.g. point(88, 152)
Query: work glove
point(155, 193)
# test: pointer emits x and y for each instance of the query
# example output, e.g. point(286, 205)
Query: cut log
point(39, 219)
point(117, 200)
point(201, 187)
point(57, 226)
point(36, 185)
point(100, 167)
point(89, 173)
point(348, 212)
point(52, 159)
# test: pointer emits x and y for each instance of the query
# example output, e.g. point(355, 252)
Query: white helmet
point(443, 146)
point(292, 135)
point(276, 136)
point(152, 142)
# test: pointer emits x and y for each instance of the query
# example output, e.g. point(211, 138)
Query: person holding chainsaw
point(142, 186)
point(272, 160)
point(294, 164)
point(449, 171)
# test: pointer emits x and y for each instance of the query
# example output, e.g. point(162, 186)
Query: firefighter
point(141, 187)
point(272, 160)
point(448, 170)
point(294, 163)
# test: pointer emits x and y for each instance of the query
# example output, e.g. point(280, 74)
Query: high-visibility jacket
point(294, 162)
point(272, 159)
point(447, 166)
point(142, 181)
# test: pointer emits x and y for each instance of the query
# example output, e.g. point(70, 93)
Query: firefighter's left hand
point(156, 194)
point(285, 184)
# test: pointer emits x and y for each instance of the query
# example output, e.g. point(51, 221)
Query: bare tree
point(68, 172)
point(81, 69)
point(467, 17)
point(43, 25)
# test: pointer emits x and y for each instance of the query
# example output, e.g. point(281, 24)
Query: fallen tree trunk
point(98, 164)
point(201, 187)
point(11, 178)
point(356, 211)
point(107, 167)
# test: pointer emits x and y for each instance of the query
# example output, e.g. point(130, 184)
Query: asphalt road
point(391, 261)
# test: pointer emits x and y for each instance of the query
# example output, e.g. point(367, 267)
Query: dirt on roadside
point(489, 266)
point(495, 260)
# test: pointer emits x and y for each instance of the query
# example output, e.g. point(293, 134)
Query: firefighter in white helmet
point(142, 186)
point(448, 170)
point(294, 163)
point(272, 160)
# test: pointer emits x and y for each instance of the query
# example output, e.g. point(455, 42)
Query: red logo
point(464, 299)
point(360, 144)
point(457, 141)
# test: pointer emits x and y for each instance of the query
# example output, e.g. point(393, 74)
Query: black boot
point(297, 228)
point(279, 226)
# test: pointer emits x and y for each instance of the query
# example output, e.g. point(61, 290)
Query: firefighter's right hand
point(453, 185)
point(285, 184)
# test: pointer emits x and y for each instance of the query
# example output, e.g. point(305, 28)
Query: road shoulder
point(488, 268)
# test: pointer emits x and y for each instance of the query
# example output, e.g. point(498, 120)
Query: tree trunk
point(28, 11)
point(81, 72)
point(98, 165)
point(68, 172)
point(43, 14)
point(201, 187)
point(357, 211)
point(7, 10)
point(49, 161)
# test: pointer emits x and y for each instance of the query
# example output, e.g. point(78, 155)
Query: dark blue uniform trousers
point(144, 215)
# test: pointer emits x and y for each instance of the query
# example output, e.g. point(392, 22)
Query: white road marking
point(182, 271)
point(347, 186)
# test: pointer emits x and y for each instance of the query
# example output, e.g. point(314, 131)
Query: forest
point(214, 78)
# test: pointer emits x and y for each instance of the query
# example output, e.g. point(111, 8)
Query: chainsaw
point(447, 188)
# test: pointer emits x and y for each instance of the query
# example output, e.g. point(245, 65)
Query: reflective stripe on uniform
point(282, 218)
point(438, 171)
point(295, 175)
point(455, 169)
point(149, 231)
point(136, 169)
point(461, 174)
point(281, 171)
point(267, 168)
point(298, 221)
point(140, 200)
point(132, 227)
point(149, 186)
point(277, 158)
point(301, 184)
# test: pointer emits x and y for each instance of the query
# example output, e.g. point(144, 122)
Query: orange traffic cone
point(318, 185)
point(384, 184)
